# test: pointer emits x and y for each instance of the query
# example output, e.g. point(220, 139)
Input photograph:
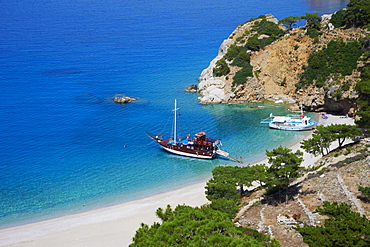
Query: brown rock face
point(277, 69)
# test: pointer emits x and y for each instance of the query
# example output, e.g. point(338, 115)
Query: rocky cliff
point(276, 70)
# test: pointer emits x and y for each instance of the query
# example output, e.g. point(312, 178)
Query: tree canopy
point(188, 226)
point(284, 167)
point(342, 228)
point(312, 20)
point(221, 68)
point(290, 21)
point(363, 87)
point(338, 57)
point(357, 13)
point(323, 136)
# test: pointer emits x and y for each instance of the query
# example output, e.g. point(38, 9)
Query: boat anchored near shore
point(199, 146)
point(290, 122)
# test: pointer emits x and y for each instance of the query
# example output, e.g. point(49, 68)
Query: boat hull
point(189, 150)
point(290, 122)
point(198, 155)
point(292, 127)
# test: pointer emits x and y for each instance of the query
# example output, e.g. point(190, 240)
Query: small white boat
point(290, 122)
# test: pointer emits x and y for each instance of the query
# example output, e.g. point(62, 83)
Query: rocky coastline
point(276, 70)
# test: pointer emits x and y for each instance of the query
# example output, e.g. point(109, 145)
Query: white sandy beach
point(116, 225)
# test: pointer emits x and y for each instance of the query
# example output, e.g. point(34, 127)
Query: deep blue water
point(66, 147)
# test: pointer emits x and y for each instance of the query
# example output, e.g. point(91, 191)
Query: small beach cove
point(116, 225)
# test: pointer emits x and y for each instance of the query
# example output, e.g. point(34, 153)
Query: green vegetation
point(312, 20)
point(337, 19)
point(188, 226)
point(212, 225)
point(237, 55)
point(253, 43)
point(363, 88)
point(312, 32)
point(290, 21)
point(221, 68)
point(365, 191)
point(241, 75)
point(226, 187)
point(343, 228)
point(269, 28)
point(357, 13)
point(323, 136)
point(284, 168)
point(338, 58)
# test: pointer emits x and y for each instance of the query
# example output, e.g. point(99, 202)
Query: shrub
point(337, 58)
point(337, 19)
point(253, 43)
point(241, 76)
point(232, 52)
point(269, 28)
point(312, 32)
point(266, 41)
point(357, 13)
point(242, 59)
point(221, 68)
point(346, 86)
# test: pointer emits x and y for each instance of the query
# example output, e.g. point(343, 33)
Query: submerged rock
point(123, 99)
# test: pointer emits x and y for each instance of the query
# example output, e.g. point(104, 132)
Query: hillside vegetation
point(323, 66)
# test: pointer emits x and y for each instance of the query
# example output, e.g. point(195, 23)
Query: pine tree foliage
point(188, 226)
point(221, 68)
point(365, 191)
point(312, 20)
point(290, 21)
point(323, 136)
point(338, 58)
point(284, 167)
point(357, 13)
point(227, 184)
point(342, 228)
point(363, 87)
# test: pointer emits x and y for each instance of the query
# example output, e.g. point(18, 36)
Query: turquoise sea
point(65, 147)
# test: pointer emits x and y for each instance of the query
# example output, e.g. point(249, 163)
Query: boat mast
point(174, 123)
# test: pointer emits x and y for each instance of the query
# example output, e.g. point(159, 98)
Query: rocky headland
point(277, 68)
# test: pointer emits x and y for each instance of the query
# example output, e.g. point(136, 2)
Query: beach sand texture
point(116, 225)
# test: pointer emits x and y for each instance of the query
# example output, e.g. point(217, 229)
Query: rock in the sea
point(192, 88)
point(123, 99)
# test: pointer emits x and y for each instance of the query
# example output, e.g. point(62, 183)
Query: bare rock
point(192, 88)
point(123, 99)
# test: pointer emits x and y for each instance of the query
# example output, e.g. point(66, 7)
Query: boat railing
point(267, 120)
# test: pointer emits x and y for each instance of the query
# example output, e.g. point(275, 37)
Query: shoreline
point(116, 225)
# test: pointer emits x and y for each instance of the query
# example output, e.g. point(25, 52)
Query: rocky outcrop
point(123, 99)
point(192, 88)
point(277, 69)
point(213, 89)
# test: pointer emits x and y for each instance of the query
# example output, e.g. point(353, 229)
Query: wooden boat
point(199, 146)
